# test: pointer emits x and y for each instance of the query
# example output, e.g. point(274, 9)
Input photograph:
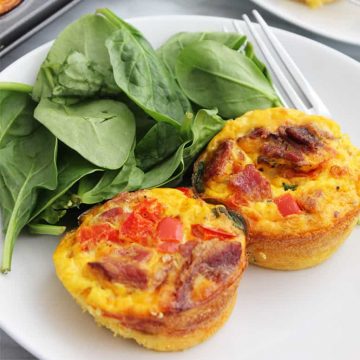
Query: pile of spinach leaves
point(108, 113)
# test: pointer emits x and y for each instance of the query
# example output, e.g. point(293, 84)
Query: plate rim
point(268, 7)
point(20, 340)
point(157, 17)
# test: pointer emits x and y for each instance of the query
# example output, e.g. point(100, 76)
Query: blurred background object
point(337, 20)
point(20, 19)
point(8, 5)
point(316, 3)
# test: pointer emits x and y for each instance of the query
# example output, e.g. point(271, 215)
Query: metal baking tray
point(28, 18)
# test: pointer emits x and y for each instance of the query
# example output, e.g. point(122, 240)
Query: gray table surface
point(10, 350)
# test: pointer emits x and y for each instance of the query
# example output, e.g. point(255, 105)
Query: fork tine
point(289, 90)
point(293, 69)
point(242, 48)
point(355, 2)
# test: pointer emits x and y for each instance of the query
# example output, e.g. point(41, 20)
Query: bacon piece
point(111, 214)
point(134, 252)
point(310, 202)
point(161, 275)
point(293, 173)
point(215, 166)
point(280, 150)
point(214, 266)
point(259, 133)
point(252, 142)
point(115, 270)
point(250, 185)
point(300, 135)
point(187, 248)
point(213, 259)
point(289, 144)
point(168, 247)
point(320, 133)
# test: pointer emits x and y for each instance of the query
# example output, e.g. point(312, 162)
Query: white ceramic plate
point(339, 21)
point(310, 314)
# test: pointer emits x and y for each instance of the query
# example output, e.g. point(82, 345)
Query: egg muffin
point(295, 178)
point(316, 3)
point(157, 266)
point(8, 5)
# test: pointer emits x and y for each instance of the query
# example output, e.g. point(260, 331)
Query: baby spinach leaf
point(165, 172)
point(291, 187)
point(143, 121)
point(80, 77)
point(44, 229)
point(185, 130)
point(26, 165)
point(101, 131)
point(143, 124)
point(52, 205)
point(205, 126)
point(249, 52)
point(159, 143)
point(141, 75)
point(16, 116)
point(57, 210)
point(78, 63)
point(171, 49)
point(212, 75)
point(236, 218)
point(17, 87)
point(128, 178)
point(197, 177)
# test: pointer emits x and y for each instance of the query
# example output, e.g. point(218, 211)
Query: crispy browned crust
point(180, 324)
point(8, 5)
point(177, 331)
point(301, 251)
point(174, 330)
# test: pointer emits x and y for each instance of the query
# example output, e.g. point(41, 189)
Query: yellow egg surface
point(289, 174)
point(155, 265)
point(316, 3)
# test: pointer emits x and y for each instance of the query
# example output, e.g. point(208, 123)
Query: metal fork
point(283, 68)
point(356, 2)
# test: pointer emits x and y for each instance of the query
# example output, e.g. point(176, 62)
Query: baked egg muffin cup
point(295, 178)
point(157, 266)
point(316, 3)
